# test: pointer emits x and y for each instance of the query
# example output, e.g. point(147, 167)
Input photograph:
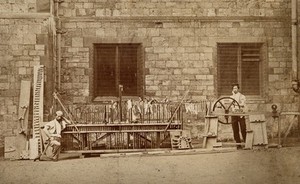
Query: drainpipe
point(58, 52)
point(58, 42)
point(295, 81)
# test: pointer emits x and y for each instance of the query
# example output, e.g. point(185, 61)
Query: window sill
point(255, 99)
point(113, 98)
point(251, 99)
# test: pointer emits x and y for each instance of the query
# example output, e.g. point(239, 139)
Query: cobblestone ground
point(268, 166)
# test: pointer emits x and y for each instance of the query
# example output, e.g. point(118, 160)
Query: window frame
point(140, 73)
point(262, 68)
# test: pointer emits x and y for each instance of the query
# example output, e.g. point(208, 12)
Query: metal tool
point(21, 119)
point(43, 153)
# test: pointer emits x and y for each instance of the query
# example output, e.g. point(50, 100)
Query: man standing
point(238, 122)
point(53, 132)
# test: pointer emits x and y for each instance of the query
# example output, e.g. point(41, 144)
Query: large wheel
point(225, 107)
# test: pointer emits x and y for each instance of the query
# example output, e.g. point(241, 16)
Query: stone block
point(81, 12)
point(3, 29)
point(77, 85)
point(12, 109)
point(116, 12)
point(88, 5)
point(79, 71)
point(4, 86)
point(36, 29)
point(110, 32)
point(40, 47)
point(201, 77)
point(22, 71)
point(77, 42)
point(29, 39)
point(177, 71)
point(100, 32)
point(79, 100)
point(277, 41)
point(33, 53)
point(159, 50)
point(152, 88)
point(164, 56)
point(190, 71)
point(162, 77)
point(194, 56)
point(172, 64)
point(158, 41)
point(69, 25)
point(278, 70)
point(273, 78)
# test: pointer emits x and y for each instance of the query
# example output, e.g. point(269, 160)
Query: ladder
point(38, 91)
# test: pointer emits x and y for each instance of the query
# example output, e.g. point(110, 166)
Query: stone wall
point(18, 6)
point(179, 40)
point(23, 45)
point(100, 8)
point(24, 6)
point(178, 37)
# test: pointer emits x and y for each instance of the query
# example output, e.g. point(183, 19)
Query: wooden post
point(211, 132)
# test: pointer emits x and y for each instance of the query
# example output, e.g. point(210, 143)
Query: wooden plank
point(210, 139)
point(291, 123)
point(175, 134)
point(264, 131)
point(22, 137)
point(33, 148)
point(10, 148)
point(206, 128)
point(249, 140)
point(210, 142)
point(290, 113)
point(38, 103)
point(258, 126)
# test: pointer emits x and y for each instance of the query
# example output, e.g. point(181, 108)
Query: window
point(239, 63)
point(118, 64)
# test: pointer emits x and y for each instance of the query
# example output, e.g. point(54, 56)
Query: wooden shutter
point(227, 67)
point(128, 68)
point(105, 81)
point(140, 71)
point(239, 63)
point(250, 75)
point(118, 64)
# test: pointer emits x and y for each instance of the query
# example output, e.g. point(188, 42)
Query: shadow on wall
point(1, 152)
point(43, 6)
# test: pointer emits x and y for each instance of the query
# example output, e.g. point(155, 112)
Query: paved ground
point(268, 166)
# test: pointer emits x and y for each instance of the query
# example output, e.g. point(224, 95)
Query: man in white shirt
point(238, 122)
point(53, 132)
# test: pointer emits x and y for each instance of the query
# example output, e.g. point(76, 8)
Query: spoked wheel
point(220, 103)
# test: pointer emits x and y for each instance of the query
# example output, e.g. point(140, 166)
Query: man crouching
point(53, 132)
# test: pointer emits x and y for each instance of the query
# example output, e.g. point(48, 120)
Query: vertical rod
point(120, 101)
point(294, 40)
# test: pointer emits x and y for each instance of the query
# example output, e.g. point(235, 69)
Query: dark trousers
point(237, 123)
point(56, 148)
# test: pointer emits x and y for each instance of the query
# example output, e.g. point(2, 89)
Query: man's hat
point(59, 113)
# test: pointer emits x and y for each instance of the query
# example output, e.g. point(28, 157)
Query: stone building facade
point(178, 43)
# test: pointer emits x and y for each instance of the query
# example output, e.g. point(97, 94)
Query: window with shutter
point(239, 63)
point(117, 64)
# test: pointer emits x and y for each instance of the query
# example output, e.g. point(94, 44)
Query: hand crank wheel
point(226, 107)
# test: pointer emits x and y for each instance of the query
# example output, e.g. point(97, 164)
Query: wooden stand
point(291, 123)
point(256, 131)
point(211, 132)
point(21, 141)
point(258, 126)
